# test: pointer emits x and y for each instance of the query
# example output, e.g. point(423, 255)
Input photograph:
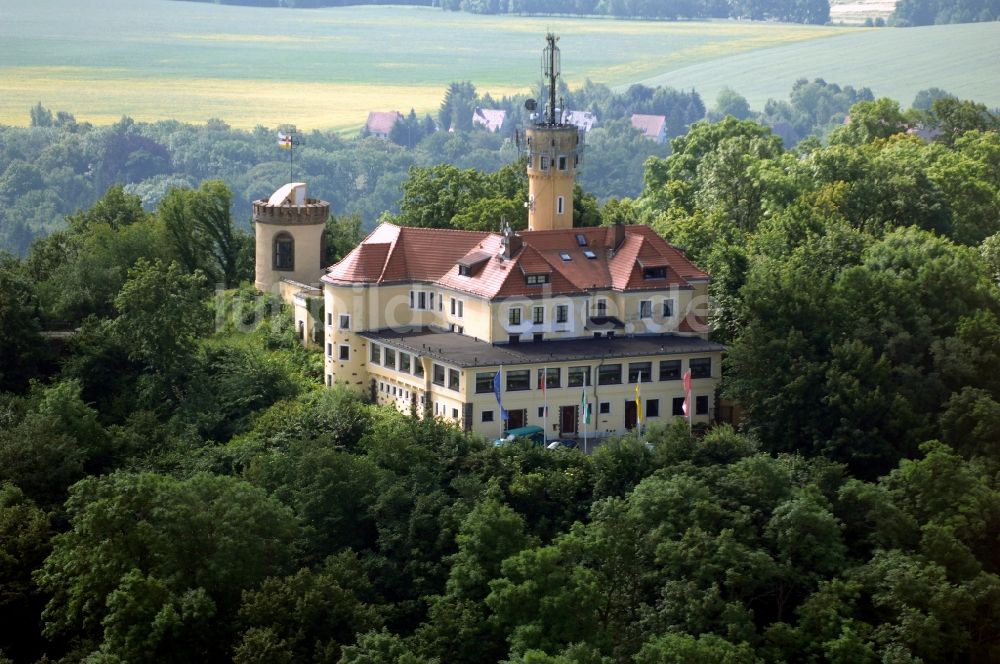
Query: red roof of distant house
point(653, 126)
point(584, 120)
point(491, 118)
point(381, 122)
point(394, 254)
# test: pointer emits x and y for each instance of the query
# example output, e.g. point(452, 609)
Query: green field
point(897, 63)
point(157, 59)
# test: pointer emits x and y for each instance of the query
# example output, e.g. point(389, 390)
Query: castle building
point(584, 331)
point(288, 229)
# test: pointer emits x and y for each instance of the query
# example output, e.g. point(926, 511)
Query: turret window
point(544, 163)
point(284, 252)
point(560, 205)
point(562, 163)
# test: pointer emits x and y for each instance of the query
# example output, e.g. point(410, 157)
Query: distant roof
point(651, 125)
point(381, 122)
point(465, 351)
point(584, 120)
point(491, 118)
point(607, 259)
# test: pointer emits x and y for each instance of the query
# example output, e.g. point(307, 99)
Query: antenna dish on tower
point(530, 104)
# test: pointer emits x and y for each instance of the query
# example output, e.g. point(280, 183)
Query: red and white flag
point(687, 393)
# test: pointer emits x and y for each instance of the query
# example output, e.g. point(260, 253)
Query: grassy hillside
point(896, 63)
point(154, 59)
point(326, 68)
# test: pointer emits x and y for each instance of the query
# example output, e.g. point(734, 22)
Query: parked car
point(568, 443)
point(535, 434)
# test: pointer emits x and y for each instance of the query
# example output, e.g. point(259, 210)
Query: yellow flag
point(638, 401)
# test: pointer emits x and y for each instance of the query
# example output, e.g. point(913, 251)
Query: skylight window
point(589, 254)
point(581, 239)
point(565, 256)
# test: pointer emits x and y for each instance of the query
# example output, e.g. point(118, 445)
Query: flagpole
point(545, 401)
point(638, 404)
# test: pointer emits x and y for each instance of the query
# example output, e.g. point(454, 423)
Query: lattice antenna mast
point(550, 69)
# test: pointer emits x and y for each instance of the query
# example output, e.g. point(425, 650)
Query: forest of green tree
point(792, 11)
point(176, 484)
point(59, 166)
point(932, 12)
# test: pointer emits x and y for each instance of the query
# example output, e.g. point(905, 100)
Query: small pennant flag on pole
point(285, 141)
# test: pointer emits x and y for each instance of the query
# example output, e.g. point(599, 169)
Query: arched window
point(284, 252)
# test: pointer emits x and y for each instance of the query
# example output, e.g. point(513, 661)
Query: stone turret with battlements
point(289, 237)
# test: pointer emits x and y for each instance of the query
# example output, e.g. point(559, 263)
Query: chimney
point(511, 243)
point(619, 235)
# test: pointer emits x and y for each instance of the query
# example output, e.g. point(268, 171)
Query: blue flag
point(496, 390)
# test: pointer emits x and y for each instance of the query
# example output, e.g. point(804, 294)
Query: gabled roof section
point(491, 118)
point(653, 126)
point(394, 254)
point(531, 262)
point(584, 120)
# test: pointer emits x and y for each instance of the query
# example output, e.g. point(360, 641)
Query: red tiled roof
point(650, 125)
point(398, 254)
point(531, 262)
point(491, 118)
point(381, 122)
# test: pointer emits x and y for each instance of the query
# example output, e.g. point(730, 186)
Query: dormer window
point(654, 273)
point(536, 279)
point(581, 239)
point(471, 263)
point(565, 256)
point(589, 254)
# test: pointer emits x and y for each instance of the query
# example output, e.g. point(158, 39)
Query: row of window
point(443, 377)
point(514, 314)
point(344, 321)
point(518, 380)
point(538, 315)
point(343, 352)
point(424, 300)
point(390, 358)
point(651, 408)
point(396, 391)
point(560, 162)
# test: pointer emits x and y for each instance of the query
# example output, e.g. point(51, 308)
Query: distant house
point(654, 127)
point(584, 120)
point(380, 122)
point(490, 118)
point(923, 132)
